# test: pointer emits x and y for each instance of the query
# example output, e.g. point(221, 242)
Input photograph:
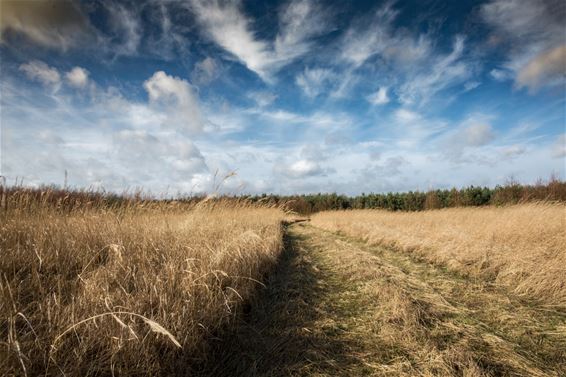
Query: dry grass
point(135, 290)
point(338, 307)
point(522, 247)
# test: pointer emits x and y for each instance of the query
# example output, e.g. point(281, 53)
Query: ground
point(337, 307)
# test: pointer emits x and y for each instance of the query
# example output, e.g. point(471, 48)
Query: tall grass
point(522, 247)
point(134, 288)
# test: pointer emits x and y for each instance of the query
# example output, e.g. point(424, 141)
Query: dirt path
point(336, 307)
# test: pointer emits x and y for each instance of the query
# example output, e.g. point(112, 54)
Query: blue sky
point(294, 96)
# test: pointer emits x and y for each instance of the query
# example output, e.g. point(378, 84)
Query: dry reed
point(134, 290)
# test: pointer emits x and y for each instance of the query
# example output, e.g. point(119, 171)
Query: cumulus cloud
point(51, 23)
point(77, 77)
point(532, 35)
point(148, 155)
point(379, 98)
point(476, 135)
point(301, 169)
point(41, 72)
point(547, 67)
point(177, 97)
point(104, 141)
point(473, 134)
point(226, 24)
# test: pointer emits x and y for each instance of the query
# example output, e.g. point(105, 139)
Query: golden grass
point(137, 290)
point(338, 307)
point(522, 247)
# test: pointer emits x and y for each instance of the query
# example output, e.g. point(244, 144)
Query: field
point(522, 247)
point(129, 290)
point(95, 285)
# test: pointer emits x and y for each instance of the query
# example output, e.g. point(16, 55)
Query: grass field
point(125, 291)
point(95, 286)
point(522, 247)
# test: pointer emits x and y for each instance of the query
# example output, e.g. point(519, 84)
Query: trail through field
point(336, 307)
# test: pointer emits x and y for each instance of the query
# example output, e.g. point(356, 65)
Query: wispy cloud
point(205, 71)
point(407, 60)
point(227, 25)
point(314, 81)
point(376, 35)
point(440, 72)
point(126, 26)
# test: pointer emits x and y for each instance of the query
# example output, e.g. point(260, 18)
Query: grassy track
point(336, 307)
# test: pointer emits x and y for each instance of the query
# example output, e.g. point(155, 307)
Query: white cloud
point(226, 25)
point(500, 74)
point(474, 134)
point(127, 28)
point(407, 60)
point(262, 99)
point(547, 67)
point(205, 71)
point(299, 21)
point(379, 98)
point(231, 29)
point(441, 72)
point(318, 119)
point(470, 85)
point(376, 35)
point(103, 141)
point(301, 169)
point(39, 71)
point(478, 134)
point(167, 40)
point(411, 128)
point(77, 77)
point(51, 23)
point(406, 116)
point(513, 151)
point(149, 155)
point(313, 81)
point(177, 98)
point(390, 167)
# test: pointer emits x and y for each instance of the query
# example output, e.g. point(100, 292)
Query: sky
point(285, 97)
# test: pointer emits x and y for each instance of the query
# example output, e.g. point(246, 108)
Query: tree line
point(510, 193)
